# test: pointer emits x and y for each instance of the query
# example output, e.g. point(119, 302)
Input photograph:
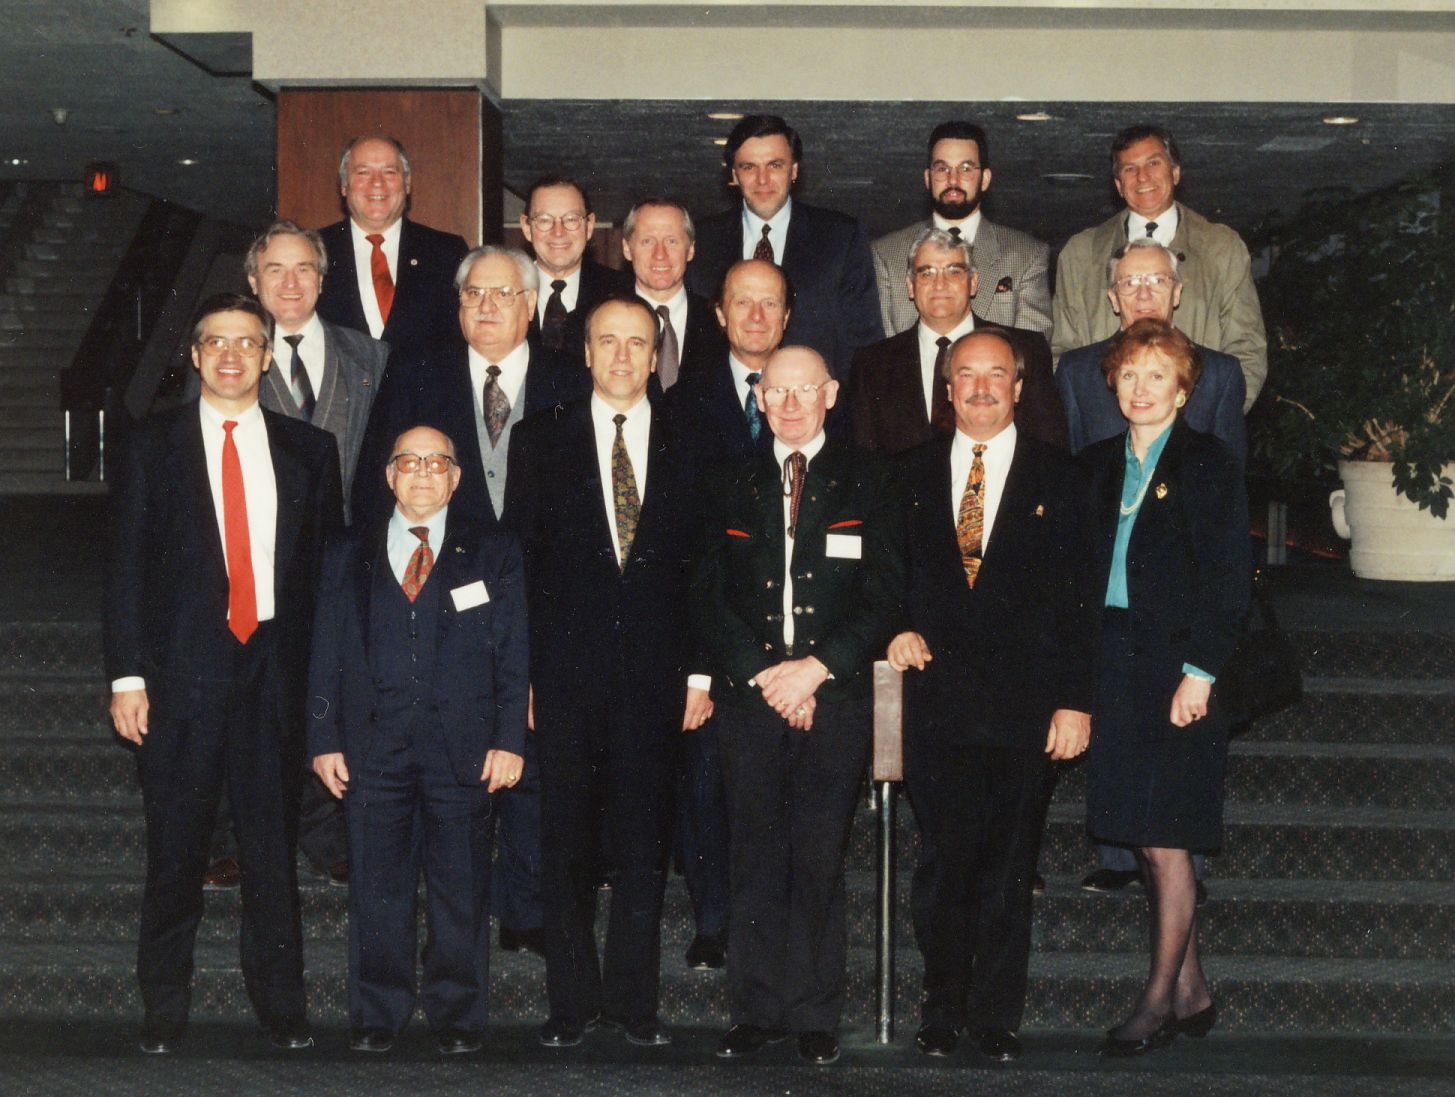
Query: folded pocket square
point(1004, 285)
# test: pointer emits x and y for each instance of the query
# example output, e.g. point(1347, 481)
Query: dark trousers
point(791, 800)
point(407, 812)
point(702, 828)
point(979, 810)
point(221, 734)
point(605, 779)
point(322, 836)
point(516, 895)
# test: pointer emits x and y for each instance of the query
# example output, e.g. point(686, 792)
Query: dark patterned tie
point(302, 386)
point(420, 562)
point(750, 407)
point(794, 470)
point(494, 404)
point(942, 418)
point(764, 250)
point(669, 352)
point(624, 492)
point(970, 524)
point(553, 326)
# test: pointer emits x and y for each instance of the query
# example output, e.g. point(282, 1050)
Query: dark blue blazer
point(704, 403)
point(598, 282)
point(424, 285)
point(1092, 413)
point(482, 653)
point(434, 389)
point(828, 261)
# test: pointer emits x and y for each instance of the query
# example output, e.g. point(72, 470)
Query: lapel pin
point(365, 381)
point(1040, 510)
point(1161, 491)
point(414, 262)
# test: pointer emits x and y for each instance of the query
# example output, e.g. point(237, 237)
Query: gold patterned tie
point(624, 492)
point(970, 525)
point(764, 251)
point(417, 570)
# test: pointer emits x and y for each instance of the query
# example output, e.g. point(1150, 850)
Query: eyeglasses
point(951, 272)
point(1156, 282)
point(941, 170)
point(245, 346)
point(504, 296)
point(545, 222)
point(435, 464)
point(776, 395)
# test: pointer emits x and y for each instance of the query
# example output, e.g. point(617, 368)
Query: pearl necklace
point(1136, 504)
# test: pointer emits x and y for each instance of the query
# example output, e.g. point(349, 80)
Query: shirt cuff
point(1198, 672)
point(122, 685)
point(700, 681)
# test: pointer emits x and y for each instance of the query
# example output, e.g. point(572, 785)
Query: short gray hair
point(940, 238)
point(284, 228)
point(1139, 243)
point(629, 225)
point(529, 277)
point(343, 160)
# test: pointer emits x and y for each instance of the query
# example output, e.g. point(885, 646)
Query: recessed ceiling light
point(724, 115)
point(15, 162)
point(1341, 120)
point(1066, 178)
point(1035, 116)
point(187, 163)
point(166, 112)
point(719, 140)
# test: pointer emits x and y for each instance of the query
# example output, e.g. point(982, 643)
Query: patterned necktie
point(553, 325)
point(624, 492)
point(379, 270)
point(495, 405)
point(242, 596)
point(669, 352)
point(750, 407)
point(764, 250)
point(970, 524)
point(302, 386)
point(420, 562)
point(942, 417)
point(1151, 228)
point(795, 468)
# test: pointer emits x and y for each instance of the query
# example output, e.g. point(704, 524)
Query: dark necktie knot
point(492, 371)
point(422, 532)
point(942, 342)
point(558, 285)
point(954, 230)
point(293, 340)
point(1151, 228)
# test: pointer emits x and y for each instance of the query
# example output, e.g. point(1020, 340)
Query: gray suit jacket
point(1013, 266)
point(1219, 306)
point(353, 364)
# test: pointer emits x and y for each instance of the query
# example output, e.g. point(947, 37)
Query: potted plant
point(1359, 302)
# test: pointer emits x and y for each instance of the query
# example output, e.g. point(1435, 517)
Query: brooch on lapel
point(847, 522)
point(1160, 491)
point(1003, 286)
point(1040, 510)
point(365, 382)
point(738, 533)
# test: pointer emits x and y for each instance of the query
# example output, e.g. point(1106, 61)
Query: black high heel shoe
point(1199, 1024)
point(1114, 1047)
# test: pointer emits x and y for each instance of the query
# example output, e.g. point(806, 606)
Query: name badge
point(844, 546)
point(470, 595)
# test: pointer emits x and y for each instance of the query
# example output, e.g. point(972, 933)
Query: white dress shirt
point(777, 231)
point(400, 544)
point(1166, 226)
point(363, 269)
point(636, 432)
point(569, 295)
point(780, 453)
point(929, 350)
point(968, 227)
point(512, 374)
point(676, 313)
point(311, 348)
point(996, 458)
point(740, 379)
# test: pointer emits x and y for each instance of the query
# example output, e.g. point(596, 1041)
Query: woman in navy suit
point(1175, 566)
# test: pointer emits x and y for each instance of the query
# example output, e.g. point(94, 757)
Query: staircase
point(60, 273)
point(1332, 910)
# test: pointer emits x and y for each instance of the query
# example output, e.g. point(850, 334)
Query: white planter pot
point(1390, 537)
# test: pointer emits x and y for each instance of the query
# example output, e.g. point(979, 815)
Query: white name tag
point(844, 546)
point(470, 595)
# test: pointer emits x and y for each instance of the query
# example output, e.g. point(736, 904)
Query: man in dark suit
point(419, 685)
point(824, 253)
point(1143, 281)
point(1000, 632)
point(217, 519)
point(1012, 265)
point(603, 497)
point(897, 398)
point(391, 275)
point(657, 240)
point(798, 591)
point(558, 222)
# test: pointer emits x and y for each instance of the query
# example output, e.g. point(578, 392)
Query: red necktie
point(379, 269)
point(242, 597)
point(417, 570)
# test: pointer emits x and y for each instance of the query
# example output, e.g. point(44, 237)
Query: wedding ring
point(799, 711)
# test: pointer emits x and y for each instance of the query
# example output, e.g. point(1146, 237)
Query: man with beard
point(1012, 265)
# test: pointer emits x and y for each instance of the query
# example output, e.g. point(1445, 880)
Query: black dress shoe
point(338, 874)
point(1105, 880)
point(818, 1048)
point(523, 940)
point(290, 1034)
point(999, 1045)
point(458, 1041)
point(745, 1039)
point(706, 953)
point(937, 1040)
point(370, 1039)
point(161, 1037)
point(640, 1033)
point(1038, 884)
point(1199, 1024)
point(1114, 1047)
point(559, 1032)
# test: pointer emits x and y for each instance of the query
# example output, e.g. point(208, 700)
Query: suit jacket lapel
point(1015, 498)
point(373, 555)
point(405, 269)
point(291, 481)
point(821, 491)
point(282, 392)
point(187, 441)
point(797, 238)
point(657, 473)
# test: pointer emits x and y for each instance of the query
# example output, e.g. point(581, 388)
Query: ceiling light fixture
point(724, 116)
point(1035, 116)
point(1341, 120)
point(187, 163)
point(1066, 178)
point(166, 112)
point(15, 162)
point(719, 140)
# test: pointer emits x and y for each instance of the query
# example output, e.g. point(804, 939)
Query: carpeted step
point(1364, 710)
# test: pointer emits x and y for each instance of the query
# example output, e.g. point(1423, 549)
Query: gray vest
point(493, 460)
